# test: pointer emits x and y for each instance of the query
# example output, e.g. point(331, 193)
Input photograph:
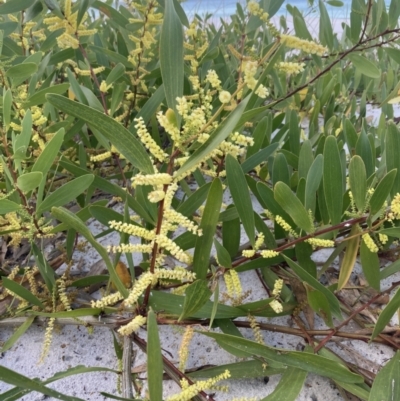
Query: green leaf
point(259, 157)
point(350, 256)
point(387, 313)
point(241, 196)
point(305, 276)
point(29, 181)
point(238, 370)
point(381, 192)
point(358, 181)
point(173, 305)
point(363, 65)
point(371, 266)
point(293, 206)
point(7, 104)
point(45, 270)
point(154, 359)
point(74, 222)
point(221, 133)
point(231, 233)
point(393, 53)
point(392, 232)
point(325, 26)
point(386, 385)
point(117, 72)
point(196, 295)
point(17, 334)
point(394, 14)
point(224, 259)
point(313, 181)
point(319, 304)
point(11, 377)
point(66, 193)
point(306, 159)
point(392, 149)
point(21, 291)
point(191, 204)
point(39, 97)
point(289, 386)
point(130, 147)
point(7, 206)
point(111, 13)
point(20, 72)
point(333, 180)
point(14, 6)
point(171, 55)
point(301, 360)
point(90, 280)
point(208, 225)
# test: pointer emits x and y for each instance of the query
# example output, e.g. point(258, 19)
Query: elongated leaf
point(29, 181)
point(392, 149)
point(130, 147)
point(382, 191)
point(45, 270)
point(221, 133)
point(208, 225)
point(350, 257)
point(21, 291)
point(7, 206)
point(370, 265)
point(259, 157)
point(241, 195)
point(154, 359)
point(66, 193)
point(17, 334)
point(293, 206)
point(224, 259)
point(325, 26)
point(358, 181)
point(302, 360)
point(313, 181)
point(386, 315)
point(11, 377)
point(74, 222)
point(238, 370)
point(305, 276)
point(231, 234)
point(196, 295)
point(117, 72)
point(111, 13)
point(289, 386)
point(17, 393)
point(40, 96)
point(171, 55)
point(13, 6)
point(20, 72)
point(386, 385)
point(194, 201)
point(7, 104)
point(173, 304)
point(364, 66)
point(333, 180)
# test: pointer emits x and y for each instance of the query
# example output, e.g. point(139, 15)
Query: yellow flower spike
point(184, 348)
point(132, 326)
point(369, 242)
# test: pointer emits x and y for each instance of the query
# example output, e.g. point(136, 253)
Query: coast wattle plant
point(231, 145)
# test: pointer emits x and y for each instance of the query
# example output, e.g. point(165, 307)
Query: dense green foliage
point(168, 116)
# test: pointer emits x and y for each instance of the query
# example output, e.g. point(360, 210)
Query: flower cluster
point(189, 392)
point(286, 226)
point(184, 348)
point(304, 45)
point(233, 284)
point(148, 141)
point(249, 71)
point(318, 242)
point(249, 253)
point(369, 242)
point(133, 326)
point(69, 24)
point(256, 329)
point(290, 68)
